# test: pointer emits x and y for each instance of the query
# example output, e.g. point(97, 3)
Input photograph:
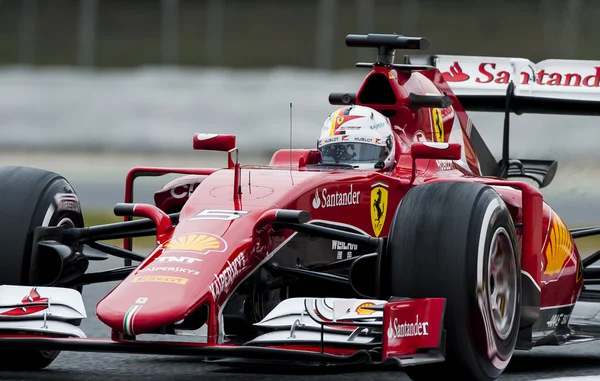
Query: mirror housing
point(433, 151)
point(437, 151)
point(214, 142)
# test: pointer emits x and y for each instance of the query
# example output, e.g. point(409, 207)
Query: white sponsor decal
point(363, 139)
point(186, 260)
point(217, 214)
point(329, 140)
point(339, 245)
point(227, 276)
point(401, 129)
point(378, 125)
point(437, 145)
point(558, 319)
point(406, 329)
point(444, 165)
point(326, 200)
point(342, 247)
point(205, 136)
point(170, 269)
point(419, 136)
point(183, 190)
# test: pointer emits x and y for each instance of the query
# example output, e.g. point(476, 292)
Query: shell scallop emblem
point(361, 310)
point(559, 247)
point(202, 243)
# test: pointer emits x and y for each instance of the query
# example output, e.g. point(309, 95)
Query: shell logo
point(361, 310)
point(559, 247)
point(202, 243)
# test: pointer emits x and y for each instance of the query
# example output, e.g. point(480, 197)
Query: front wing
point(311, 331)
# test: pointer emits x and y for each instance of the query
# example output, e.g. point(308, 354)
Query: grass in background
point(100, 217)
point(93, 217)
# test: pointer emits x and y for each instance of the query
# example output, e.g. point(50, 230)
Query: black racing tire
point(440, 243)
point(30, 197)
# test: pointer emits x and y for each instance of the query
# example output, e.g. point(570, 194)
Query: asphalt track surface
point(540, 363)
point(106, 189)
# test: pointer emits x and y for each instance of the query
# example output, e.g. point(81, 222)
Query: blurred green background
point(300, 33)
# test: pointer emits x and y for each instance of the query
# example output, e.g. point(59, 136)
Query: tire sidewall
point(59, 203)
point(433, 251)
point(492, 352)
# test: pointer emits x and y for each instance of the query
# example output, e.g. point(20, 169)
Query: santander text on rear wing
point(550, 86)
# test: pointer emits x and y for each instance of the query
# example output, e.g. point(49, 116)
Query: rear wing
point(568, 87)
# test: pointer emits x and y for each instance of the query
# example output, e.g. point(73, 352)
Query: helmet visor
point(349, 153)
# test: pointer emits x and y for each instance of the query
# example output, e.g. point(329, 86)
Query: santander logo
point(316, 202)
point(455, 74)
point(328, 200)
point(542, 74)
point(399, 330)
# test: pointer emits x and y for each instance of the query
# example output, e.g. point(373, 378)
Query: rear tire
point(30, 197)
point(458, 241)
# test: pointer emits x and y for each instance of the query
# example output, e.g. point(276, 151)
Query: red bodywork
point(225, 232)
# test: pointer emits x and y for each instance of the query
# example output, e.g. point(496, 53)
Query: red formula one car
point(435, 262)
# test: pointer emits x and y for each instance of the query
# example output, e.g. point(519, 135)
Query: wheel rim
point(65, 223)
point(502, 283)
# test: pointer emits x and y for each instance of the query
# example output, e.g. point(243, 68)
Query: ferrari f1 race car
point(441, 261)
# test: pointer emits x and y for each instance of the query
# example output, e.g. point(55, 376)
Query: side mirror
point(214, 142)
point(433, 151)
point(439, 151)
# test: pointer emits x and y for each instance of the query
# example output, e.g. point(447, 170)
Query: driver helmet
point(358, 136)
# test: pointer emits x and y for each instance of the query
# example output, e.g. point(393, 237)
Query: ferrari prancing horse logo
point(379, 203)
point(438, 125)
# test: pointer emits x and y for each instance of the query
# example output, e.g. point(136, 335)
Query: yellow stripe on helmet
point(333, 121)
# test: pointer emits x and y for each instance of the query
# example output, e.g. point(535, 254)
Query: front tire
point(30, 197)
point(458, 241)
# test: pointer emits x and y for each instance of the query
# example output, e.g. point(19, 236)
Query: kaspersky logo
point(202, 243)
